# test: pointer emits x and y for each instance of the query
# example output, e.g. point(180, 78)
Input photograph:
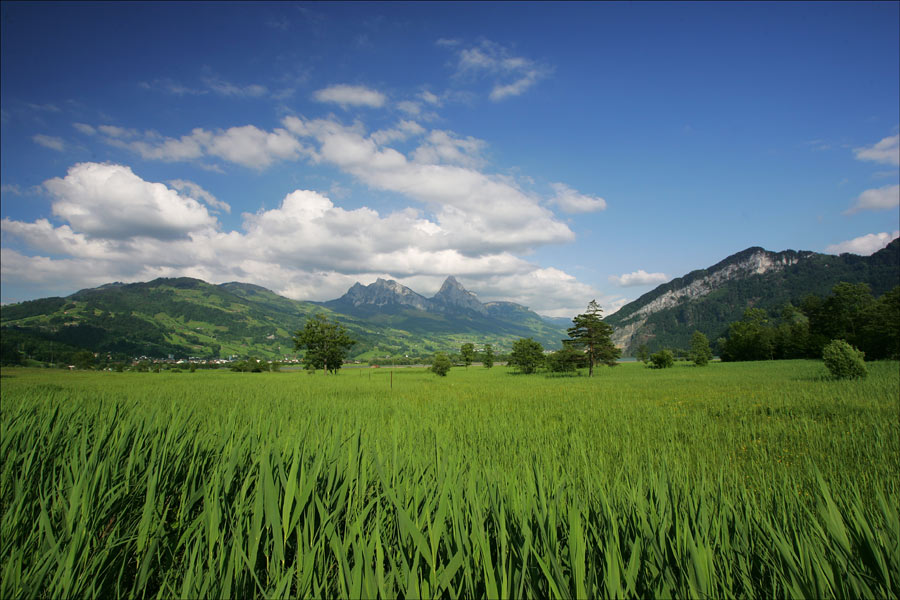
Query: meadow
point(744, 480)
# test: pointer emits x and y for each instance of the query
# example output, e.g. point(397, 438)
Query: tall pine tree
point(590, 333)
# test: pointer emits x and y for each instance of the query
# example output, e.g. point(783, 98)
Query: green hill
point(709, 299)
point(185, 317)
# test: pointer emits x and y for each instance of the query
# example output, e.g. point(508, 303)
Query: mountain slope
point(187, 317)
point(709, 299)
point(453, 313)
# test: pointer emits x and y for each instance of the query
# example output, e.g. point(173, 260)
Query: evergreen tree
point(591, 334)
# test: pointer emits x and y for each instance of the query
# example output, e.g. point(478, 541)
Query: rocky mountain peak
point(453, 295)
point(384, 292)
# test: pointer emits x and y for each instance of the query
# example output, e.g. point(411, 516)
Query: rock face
point(387, 294)
point(384, 292)
point(709, 299)
point(453, 296)
point(631, 318)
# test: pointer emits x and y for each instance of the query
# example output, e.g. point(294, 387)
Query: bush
point(662, 359)
point(441, 364)
point(844, 361)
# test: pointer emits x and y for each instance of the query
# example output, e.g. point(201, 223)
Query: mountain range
point(708, 300)
point(183, 317)
point(189, 317)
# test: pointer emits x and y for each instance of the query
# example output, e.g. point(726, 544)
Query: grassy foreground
point(736, 480)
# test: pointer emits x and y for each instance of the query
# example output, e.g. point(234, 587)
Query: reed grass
point(737, 480)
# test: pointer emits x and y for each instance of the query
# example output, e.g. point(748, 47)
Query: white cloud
point(193, 190)
point(172, 87)
point(571, 201)
point(882, 198)
point(429, 98)
point(121, 227)
point(887, 151)
point(445, 147)
point(54, 143)
point(411, 108)
point(512, 75)
point(117, 132)
point(639, 277)
point(225, 88)
point(248, 145)
point(10, 188)
point(111, 202)
point(253, 147)
point(400, 132)
point(864, 245)
point(84, 128)
point(44, 107)
point(480, 211)
point(350, 95)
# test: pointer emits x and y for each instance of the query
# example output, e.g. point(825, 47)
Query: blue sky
point(542, 153)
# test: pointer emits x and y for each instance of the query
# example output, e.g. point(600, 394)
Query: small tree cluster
point(662, 359)
point(487, 356)
point(700, 351)
point(844, 361)
point(441, 364)
point(527, 355)
point(467, 354)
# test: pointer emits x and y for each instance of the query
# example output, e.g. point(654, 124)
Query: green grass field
point(736, 480)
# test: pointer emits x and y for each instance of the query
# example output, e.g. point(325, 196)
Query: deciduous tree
point(700, 352)
point(326, 343)
point(487, 356)
point(467, 352)
point(527, 355)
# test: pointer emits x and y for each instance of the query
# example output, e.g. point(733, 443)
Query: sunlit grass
point(757, 480)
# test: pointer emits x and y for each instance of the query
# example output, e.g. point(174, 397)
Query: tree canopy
point(700, 352)
point(527, 355)
point(591, 334)
point(487, 356)
point(326, 343)
point(467, 352)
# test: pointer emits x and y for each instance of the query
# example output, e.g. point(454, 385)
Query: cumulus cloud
point(117, 226)
point(480, 211)
point(350, 95)
point(639, 277)
point(882, 198)
point(111, 202)
point(571, 201)
point(864, 245)
point(887, 151)
point(47, 141)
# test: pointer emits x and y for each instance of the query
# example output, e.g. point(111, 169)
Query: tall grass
point(737, 480)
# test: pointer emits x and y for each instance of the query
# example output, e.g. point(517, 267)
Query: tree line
point(850, 313)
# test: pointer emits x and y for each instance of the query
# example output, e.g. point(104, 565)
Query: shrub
point(844, 361)
point(662, 359)
point(441, 364)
